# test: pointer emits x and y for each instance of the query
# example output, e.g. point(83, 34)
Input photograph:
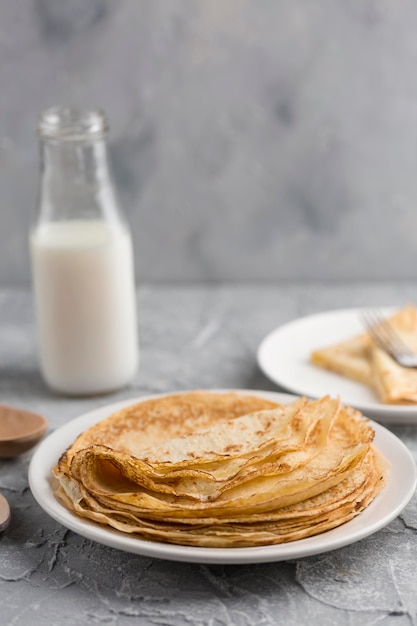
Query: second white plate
point(284, 357)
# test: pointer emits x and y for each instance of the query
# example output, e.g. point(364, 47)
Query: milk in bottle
point(82, 261)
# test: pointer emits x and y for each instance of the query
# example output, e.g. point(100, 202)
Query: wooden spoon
point(19, 430)
point(4, 513)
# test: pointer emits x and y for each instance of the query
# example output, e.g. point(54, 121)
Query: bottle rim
point(72, 123)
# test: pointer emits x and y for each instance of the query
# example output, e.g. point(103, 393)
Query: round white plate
point(400, 487)
point(284, 357)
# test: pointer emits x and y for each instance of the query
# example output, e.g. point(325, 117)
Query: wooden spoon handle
point(4, 513)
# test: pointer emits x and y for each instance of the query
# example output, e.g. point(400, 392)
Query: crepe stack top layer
point(223, 470)
point(360, 359)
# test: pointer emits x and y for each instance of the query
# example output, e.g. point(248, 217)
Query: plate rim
point(377, 410)
point(41, 489)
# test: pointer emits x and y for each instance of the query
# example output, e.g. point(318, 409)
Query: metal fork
point(387, 338)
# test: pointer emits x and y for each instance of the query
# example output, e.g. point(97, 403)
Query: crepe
point(393, 383)
point(315, 515)
point(158, 419)
point(273, 474)
point(360, 359)
point(349, 358)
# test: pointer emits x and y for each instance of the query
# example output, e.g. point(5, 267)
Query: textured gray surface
point(250, 140)
point(196, 337)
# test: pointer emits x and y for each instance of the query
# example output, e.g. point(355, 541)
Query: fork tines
point(384, 335)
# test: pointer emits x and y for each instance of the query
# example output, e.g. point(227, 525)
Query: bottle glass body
point(82, 261)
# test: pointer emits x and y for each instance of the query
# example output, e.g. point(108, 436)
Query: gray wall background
point(250, 139)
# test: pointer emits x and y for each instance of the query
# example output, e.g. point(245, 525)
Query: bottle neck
point(75, 181)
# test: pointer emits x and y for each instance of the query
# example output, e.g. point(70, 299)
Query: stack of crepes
point(223, 469)
point(360, 359)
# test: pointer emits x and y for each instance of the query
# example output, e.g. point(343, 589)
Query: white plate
point(284, 356)
point(400, 487)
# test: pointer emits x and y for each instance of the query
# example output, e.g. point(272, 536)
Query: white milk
point(85, 299)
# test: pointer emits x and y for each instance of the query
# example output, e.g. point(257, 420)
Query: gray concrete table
point(191, 337)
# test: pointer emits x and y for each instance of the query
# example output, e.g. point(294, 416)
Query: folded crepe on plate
point(349, 358)
point(223, 470)
point(360, 359)
point(393, 383)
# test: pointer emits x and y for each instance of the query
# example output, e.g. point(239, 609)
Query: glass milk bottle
point(82, 260)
